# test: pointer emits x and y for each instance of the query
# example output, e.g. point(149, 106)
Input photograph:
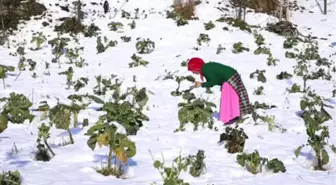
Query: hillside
point(55, 83)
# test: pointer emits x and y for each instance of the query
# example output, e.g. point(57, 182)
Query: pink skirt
point(229, 105)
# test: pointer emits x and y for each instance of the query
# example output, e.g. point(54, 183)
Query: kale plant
point(120, 146)
point(80, 83)
point(195, 163)
point(10, 178)
point(115, 26)
point(137, 61)
point(170, 175)
point(235, 139)
point(196, 111)
point(290, 42)
point(16, 109)
point(3, 73)
point(69, 74)
point(145, 46)
point(259, 40)
point(254, 163)
point(91, 31)
point(203, 39)
point(284, 75)
point(209, 25)
point(307, 59)
point(260, 75)
point(43, 149)
point(58, 45)
point(102, 47)
point(104, 84)
point(127, 113)
point(38, 38)
point(314, 116)
point(60, 115)
point(179, 80)
point(72, 54)
point(239, 48)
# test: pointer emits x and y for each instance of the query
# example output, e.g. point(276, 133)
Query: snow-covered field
point(74, 164)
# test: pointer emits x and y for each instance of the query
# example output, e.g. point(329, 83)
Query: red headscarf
point(195, 65)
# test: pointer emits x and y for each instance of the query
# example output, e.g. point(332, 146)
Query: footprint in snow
point(290, 82)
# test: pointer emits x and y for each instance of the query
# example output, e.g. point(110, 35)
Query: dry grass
point(185, 8)
point(116, 171)
point(271, 7)
point(264, 6)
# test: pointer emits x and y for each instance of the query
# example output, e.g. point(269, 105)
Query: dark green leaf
point(325, 157)
point(298, 150)
point(92, 141)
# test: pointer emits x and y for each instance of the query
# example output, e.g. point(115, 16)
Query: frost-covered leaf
point(17, 108)
point(60, 115)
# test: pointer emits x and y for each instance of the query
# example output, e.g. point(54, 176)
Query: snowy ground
point(73, 164)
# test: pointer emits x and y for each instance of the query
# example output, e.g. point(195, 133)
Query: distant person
point(235, 102)
point(106, 7)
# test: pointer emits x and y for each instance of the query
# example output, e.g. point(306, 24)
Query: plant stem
point(2, 24)
point(46, 143)
point(18, 75)
point(109, 159)
point(319, 165)
point(2, 18)
point(304, 84)
point(71, 138)
point(161, 173)
point(3, 82)
point(75, 119)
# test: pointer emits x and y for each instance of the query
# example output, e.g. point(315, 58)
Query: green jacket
point(216, 74)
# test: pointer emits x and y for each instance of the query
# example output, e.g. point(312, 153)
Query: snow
point(74, 164)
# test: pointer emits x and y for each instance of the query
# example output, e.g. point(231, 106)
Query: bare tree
point(106, 7)
point(2, 14)
point(240, 6)
point(79, 13)
point(281, 9)
point(4, 10)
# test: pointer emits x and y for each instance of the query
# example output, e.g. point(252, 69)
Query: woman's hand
point(197, 84)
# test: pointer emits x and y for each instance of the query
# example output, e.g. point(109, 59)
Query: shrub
point(10, 178)
point(70, 25)
point(185, 8)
